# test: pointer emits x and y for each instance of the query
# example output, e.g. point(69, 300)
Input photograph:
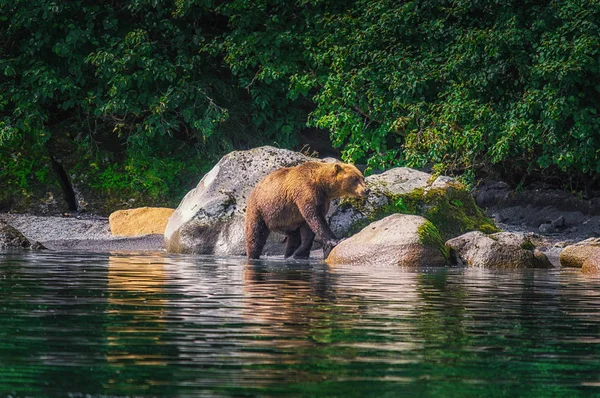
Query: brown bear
point(294, 201)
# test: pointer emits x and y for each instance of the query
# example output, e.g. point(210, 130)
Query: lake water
point(156, 325)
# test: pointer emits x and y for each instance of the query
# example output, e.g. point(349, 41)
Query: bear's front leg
point(328, 247)
point(256, 234)
point(316, 221)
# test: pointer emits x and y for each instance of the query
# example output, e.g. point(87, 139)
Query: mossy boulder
point(442, 200)
point(399, 239)
point(504, 250)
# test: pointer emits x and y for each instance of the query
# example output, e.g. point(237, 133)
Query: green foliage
point(133, 95)
point(146, 90)
point(456, 85)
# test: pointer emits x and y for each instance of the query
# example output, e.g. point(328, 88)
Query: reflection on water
point(136, 298)
point(158, 325)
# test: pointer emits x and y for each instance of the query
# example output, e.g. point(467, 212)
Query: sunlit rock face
point(399, 239)
point(210, 218)
point(575, 255)
point(501, 250)
point(592, 264)
point(139, 221)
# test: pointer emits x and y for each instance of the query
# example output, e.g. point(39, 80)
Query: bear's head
point(348, 181)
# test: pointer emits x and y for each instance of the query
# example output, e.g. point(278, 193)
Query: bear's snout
point(363, 193)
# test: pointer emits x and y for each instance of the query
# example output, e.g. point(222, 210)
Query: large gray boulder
point(210, 218)
point(11, 238)
point(506, 250)
point(399, 239)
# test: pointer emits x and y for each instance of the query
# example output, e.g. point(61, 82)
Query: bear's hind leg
point(257, 233)
point(307, 236)
point(293, 242)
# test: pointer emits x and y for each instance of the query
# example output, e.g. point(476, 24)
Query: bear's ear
point(337, 168)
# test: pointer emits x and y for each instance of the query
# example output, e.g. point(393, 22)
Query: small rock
point(547, 228)
point(559, 223)
point(542, 260)
point(574, 255)
point(442, 200)
point(500, 250)
point(11, 238)
point(399, 239)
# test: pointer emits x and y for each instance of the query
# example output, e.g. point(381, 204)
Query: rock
point(575, 255)
point(11, 238)
point(140, 221)
point(443, 201)
point(210, 218)
point(592, 264)
point(552, 227)
point(398, 239)
point(499, 250)
point(547, 228)
point(559, 223)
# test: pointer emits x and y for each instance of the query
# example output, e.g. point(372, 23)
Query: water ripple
point(165, 325)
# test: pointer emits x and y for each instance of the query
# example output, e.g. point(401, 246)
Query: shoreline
point(553, 218)
point(91, 233)
point(84, 232)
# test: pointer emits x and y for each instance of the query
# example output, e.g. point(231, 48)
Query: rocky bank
point(210, 220)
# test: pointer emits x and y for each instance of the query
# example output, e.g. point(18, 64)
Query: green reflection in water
point(126, 325)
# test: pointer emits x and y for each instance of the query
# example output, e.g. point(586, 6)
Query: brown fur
point(294, 201)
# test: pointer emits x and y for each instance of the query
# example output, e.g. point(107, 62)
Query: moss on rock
point(452, 210)
point(430, 236)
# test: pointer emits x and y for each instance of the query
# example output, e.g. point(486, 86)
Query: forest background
point(128, 102)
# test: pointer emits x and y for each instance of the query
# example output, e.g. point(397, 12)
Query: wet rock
point(575, 255)
point(399, 239)
point(210, 218)
point(506, 250)
point(139, 221)
point(11, 238)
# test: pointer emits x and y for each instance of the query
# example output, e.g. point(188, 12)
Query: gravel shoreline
point(91, 233)
point(81, 232)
